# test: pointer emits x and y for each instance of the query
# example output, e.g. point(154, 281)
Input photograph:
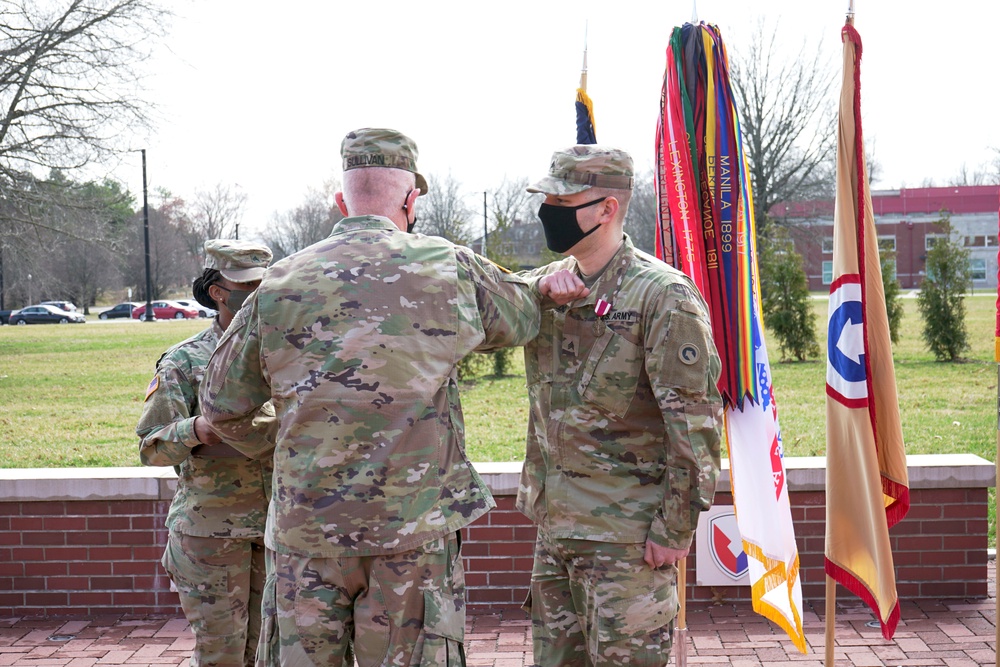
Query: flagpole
point(583, 72)
point(680, 638)
point(996, 460)
point(830, 618)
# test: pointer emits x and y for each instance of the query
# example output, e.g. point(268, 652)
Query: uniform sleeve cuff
point(665, 537)
point(185, 432)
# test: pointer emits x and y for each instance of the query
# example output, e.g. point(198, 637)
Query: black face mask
point(562, 230)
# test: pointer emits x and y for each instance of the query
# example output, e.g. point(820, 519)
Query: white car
point(202, 310)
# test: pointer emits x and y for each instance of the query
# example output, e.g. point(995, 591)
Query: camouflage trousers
point(598, 604)
point(404, 610)
point(220, 581)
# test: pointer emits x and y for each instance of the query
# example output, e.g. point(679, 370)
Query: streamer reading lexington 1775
point(706, 228)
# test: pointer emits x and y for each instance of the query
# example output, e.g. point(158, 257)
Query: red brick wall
point(83, 557)
point(939, 549)
point(89, 557)
point(498, 550)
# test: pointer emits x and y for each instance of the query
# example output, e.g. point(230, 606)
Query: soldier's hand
point(205, 435)
point(562, 287)
point(657, 556)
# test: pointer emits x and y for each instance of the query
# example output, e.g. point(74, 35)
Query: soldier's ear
point(341, 204)
point(411, 198)
point(610, 208)
point(217, 293)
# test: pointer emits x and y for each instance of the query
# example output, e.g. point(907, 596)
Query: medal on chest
point(601, 308)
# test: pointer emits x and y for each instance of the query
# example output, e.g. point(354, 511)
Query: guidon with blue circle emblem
point(846, 367)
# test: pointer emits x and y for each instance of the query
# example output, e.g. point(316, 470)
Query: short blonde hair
point(623, 197)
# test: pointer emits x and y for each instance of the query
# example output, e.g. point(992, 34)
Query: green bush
point(893, 303)
point(942, 297)
point(472, 365)
point(785, 293)
point(502, 361)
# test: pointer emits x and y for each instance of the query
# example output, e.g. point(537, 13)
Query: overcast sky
point(261, 97)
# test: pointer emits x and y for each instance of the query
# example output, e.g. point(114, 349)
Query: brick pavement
point(952, 633)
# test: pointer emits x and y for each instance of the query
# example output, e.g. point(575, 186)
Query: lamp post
point(148, 314)
point(29, 289)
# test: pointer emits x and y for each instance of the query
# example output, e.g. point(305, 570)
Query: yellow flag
point(866, 479)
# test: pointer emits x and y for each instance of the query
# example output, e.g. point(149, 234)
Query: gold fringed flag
point(867, 488)
point(706, 229)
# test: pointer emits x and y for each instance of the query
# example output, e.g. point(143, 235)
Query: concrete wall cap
point(805, 473)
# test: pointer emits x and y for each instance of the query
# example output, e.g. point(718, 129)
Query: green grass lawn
point(70, 395)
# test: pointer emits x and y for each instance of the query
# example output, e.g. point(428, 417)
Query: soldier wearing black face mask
point(215, 548)
point(624, 429)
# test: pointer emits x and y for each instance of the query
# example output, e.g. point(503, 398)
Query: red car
point(165, 310)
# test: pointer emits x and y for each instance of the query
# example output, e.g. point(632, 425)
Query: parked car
point(64, 305)
point(43, 313)
point(5, 316)
point(202, 310)
point(166, 310)
point(121, 310)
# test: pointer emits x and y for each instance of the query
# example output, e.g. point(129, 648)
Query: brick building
point(907, 223)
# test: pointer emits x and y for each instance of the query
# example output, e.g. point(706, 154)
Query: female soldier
point(215, 549)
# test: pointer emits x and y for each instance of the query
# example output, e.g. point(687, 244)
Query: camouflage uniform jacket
point(356, 340)
point(215, 497)
point(625, 423)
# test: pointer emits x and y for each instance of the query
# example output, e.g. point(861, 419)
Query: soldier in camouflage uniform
point(215, 549)
point(356, 341)
point(624, 430)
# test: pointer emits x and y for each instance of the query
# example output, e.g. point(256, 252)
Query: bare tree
point(70, 90)
point(985, 174)
point(216, 213)
point(82, 266)
point(787, 115)
point(640, 221)
point(993, 166)
point(172, 262)
point(442, 211)
point(510, 204)
point(63, 234)
point(307, 223)
point(69, 80)
point(510, 201)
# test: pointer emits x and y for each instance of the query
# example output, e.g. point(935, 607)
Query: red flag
point(866, 478)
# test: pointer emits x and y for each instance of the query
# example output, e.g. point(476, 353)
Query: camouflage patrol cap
point(582, 167)
point(239, 261)
point(381, 147)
